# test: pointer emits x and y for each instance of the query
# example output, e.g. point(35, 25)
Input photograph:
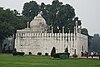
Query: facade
point(37, 39)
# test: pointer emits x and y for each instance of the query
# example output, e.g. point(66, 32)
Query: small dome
point(37, 23)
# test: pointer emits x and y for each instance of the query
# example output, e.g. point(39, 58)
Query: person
point(87, 54)
point(92, 54)
point(99, 55)
point(82, 54)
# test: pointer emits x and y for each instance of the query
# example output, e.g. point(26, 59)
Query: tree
point(30, 10)
point(95, 43)
point(53, 51)
point(56, 14)
point(10, 21)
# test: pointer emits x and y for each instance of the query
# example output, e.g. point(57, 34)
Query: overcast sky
point(87, 10)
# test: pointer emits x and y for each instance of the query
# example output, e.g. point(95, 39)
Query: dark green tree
point(95, 43)
point(56, 14)
point(30, 10)
point(10, 21)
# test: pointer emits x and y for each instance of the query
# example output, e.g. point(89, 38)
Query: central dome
point(38, 23)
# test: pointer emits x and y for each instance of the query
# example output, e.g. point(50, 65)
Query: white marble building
point(36, 39)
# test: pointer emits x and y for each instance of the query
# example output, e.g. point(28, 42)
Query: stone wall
point(44, 42)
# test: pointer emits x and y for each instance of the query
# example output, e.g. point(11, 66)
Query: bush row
point(18, 53)
point(61, 55)
point(39, 53)
point(22, 53)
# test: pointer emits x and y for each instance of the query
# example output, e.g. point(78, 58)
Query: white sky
point(86, 10)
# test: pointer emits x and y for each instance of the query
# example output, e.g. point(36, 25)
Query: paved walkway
point(95, 57)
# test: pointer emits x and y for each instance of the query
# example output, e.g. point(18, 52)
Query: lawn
point(43, 61)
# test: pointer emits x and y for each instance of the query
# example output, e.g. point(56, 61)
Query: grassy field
point(42, 61)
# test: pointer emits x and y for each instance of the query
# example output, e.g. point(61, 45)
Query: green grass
point(42, 61)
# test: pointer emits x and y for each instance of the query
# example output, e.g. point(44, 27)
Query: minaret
point(63, 29)
point(27, 25)
point(76, 29)
point(51, 29)
point(69, 35)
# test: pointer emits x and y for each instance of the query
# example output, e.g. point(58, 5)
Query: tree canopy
point(10, 21)
point(56, 14)
point(95, 43)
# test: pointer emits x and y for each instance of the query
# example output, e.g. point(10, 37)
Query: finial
point(40, 13)
point(63, 27)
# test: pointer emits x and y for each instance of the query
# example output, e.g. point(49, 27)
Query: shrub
point(30, 53)
point(14, 50)
point(61, 55)
point(18, 53)
point(46, 54)
point(39, 53)
point(74, 55)
point(57, 55)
